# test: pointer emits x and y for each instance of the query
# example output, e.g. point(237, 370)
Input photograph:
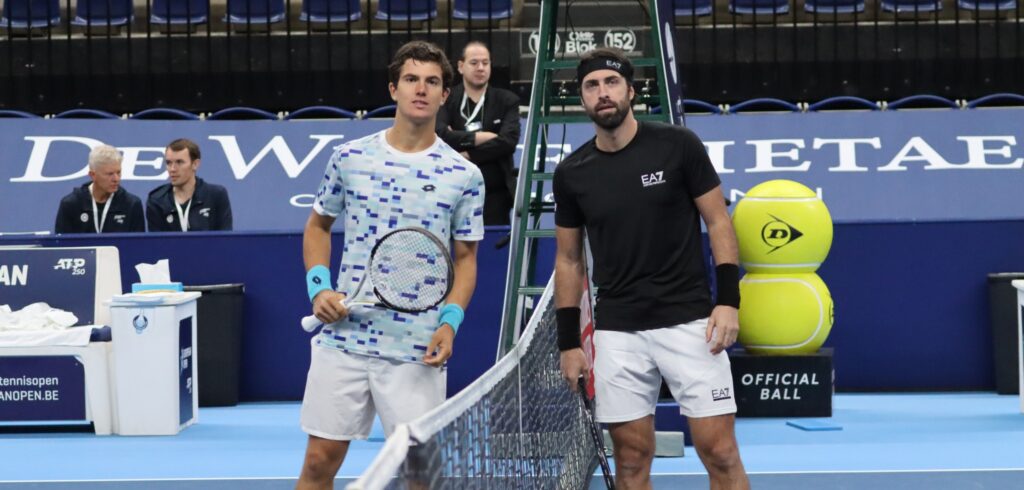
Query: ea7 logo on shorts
point(720, 394)
point(653, 178)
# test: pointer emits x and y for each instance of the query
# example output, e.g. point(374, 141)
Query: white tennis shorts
point(344, 391)
point(629, 366)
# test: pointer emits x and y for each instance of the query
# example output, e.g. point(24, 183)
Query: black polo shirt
point(75, 213)
point(637, 205)
point(210, 209)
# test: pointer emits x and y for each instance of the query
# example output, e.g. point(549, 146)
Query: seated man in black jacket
point(102, 205)
point(187, 203)
point(482, 123)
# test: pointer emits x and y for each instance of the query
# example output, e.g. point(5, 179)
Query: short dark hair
point(473, 43)
point(185, 144)
point(614, 54)
point(423, 52)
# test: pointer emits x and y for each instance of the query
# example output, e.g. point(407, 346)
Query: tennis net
point(517, 426)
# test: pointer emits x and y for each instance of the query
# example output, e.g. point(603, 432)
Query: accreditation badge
point(474, 126)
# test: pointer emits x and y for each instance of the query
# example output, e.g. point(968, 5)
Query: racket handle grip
point(310, 323)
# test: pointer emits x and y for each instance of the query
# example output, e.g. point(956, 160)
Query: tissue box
point(170, 286)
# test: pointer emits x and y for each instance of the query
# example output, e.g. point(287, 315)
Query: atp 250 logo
point(76, 266)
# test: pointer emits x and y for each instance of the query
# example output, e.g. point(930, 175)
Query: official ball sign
point(783, 386)
point(41, 388)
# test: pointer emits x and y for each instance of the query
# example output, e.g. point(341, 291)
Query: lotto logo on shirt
point(652, 178)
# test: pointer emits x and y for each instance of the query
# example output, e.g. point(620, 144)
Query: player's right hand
point(574, 366)
point(328, 307)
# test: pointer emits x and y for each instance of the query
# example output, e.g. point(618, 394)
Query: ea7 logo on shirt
point(653, 178)
point(720, 394)
point(205, 212)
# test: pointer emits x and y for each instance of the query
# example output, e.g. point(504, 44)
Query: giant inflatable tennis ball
point(784, 314)
point(782, 227)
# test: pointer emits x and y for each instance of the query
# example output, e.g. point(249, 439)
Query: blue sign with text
point(904, 166)
point(32, 275)
point(41, 388)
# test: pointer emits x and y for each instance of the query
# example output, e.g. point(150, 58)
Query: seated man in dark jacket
point(187, 203)
point(482, 123)
point(102, 205)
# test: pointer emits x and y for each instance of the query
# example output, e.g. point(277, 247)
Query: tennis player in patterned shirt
point(367, 360)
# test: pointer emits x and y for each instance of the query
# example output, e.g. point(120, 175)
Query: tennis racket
point(596, 435)
point(411, 271)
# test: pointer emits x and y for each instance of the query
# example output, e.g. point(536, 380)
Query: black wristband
point(727, 277)
point(568, 321)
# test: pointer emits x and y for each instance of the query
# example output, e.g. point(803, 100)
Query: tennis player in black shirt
point(640, 190)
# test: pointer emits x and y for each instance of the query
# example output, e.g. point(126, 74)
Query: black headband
point(624, 68)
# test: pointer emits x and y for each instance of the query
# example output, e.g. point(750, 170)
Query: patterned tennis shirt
point(375, 189)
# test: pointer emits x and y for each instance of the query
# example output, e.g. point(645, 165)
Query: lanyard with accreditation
point(470, 125)
point(97, 219)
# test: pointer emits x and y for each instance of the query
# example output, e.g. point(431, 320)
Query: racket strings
point(411, 271)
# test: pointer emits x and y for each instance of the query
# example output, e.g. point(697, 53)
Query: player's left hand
point(440, 347)
point(723, 327)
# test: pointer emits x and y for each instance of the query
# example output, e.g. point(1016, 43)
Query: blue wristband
point(453, 315)
point(317, 279)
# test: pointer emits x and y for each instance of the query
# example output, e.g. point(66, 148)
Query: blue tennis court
point(906, 441)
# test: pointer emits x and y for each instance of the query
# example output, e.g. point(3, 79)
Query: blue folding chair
point(30, 14)
point(834, 6)
point(101, 13)
point(482, 9)
point(911, 6)
point(254, 11)
point(407, 10)
point(691, 8)
point(759, 7)
point(178, 12)
point(330, 11)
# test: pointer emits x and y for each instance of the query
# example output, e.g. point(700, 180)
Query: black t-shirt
point(637, 205)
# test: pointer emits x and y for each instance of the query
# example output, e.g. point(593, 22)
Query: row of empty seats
point(700, 8)
point(691, 106)
point(22, 14)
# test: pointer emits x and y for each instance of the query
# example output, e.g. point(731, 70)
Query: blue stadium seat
point(911, 6)
point(482, 9)
point(986, 5)
point(923, 101)
point(385, 111)
point(86, 114)
point(164, 113)
point(997, 100)
point(691, 8)
point(100, 13)
point(177, 12)
point(242, 113)
point(29, 14)
point(330, 11)
point(765, 104)
point(834, 6)
point(843, 103)
point(254, 11)
point(407, 10)
point(320, 112)
point(695, 105)
point(759, 7)
point(13, 114)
